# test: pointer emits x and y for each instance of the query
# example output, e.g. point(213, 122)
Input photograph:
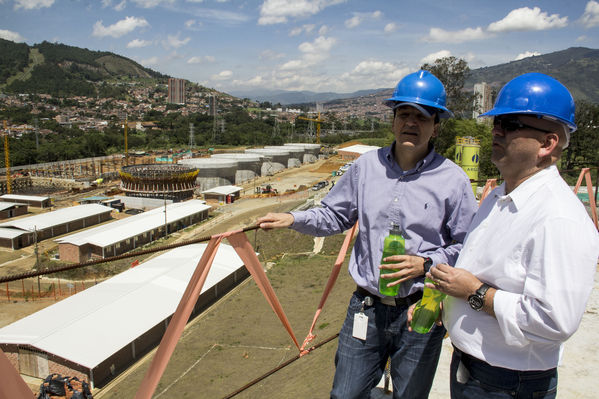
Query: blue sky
point(316, 45)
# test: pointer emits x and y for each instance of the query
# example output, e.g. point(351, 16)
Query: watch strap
point(428, 263)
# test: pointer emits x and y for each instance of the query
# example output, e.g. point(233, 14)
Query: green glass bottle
point(394, 244)
point(427, 309)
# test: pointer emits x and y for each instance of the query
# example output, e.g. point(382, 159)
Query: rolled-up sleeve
point(339, 210)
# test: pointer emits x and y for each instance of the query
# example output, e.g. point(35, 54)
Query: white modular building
point(99, 332)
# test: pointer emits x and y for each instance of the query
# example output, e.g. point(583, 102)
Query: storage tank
point(296, 154)
point(248, 165)
point(274, 160)
point(311, 151)
point(213, 172)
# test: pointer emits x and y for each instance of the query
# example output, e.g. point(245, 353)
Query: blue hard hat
point(536, 94)
point(422, 88)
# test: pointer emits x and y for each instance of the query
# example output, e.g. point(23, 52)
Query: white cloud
point(525, 19)
point(137, 43)
point(149, 61)
point(173, 41)
point(323, 30)
point(358, 18)
point(270, 55)
point(590, 18)
point(373, 73)
point(223, 75)
point(195, 1)
point(32, 4)
point(12, 36)
point(105, 3)
point(391, 27)
point(526, 54)
point(431, 58)
point(279, 11)
point(582, 38)
point(438, 35)
point(304, 28)
point(312, 53)
point(120, 6)
point(120, 28)
point(152, 3)
point(353, 22)
point(201, 60)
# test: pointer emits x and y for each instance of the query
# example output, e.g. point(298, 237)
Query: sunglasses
point(512, 123)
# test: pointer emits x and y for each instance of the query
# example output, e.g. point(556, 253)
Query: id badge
point(360, 326)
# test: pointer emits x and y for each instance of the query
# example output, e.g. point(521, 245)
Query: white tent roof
point(57, 217)
point(23, 197)
point(8, 205)
point(123, 229)
point(359, 148)
point(90, 326)
point(223, 190)
point(10, 233)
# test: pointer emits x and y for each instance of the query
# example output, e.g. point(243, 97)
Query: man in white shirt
point(520, 285)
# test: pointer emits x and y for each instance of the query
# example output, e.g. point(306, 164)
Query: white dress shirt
point(539, 248)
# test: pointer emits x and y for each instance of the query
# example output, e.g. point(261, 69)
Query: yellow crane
point(317, 120)
point(7, 160)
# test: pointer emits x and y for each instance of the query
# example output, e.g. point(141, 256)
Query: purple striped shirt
point(433, 204)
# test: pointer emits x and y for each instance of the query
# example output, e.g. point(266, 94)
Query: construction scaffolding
point(172, 182)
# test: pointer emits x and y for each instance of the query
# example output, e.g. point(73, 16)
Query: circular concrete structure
point(311, 151)
point(248, 165)
point(174, 182)
point(275, 160)
point(296, 154)
point(213, 172)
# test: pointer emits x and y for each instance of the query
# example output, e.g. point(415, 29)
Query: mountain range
point(577, 68)
point(63, 70)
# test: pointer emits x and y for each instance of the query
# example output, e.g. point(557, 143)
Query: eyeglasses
point(512, 123)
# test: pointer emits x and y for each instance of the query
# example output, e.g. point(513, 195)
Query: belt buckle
point(389, 301)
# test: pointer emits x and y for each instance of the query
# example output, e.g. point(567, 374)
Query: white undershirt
point(539, 248)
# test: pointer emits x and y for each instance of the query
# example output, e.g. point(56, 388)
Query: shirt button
point(395, 199)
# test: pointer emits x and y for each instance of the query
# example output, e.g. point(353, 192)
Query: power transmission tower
point(37, 140)
point(276, 131)
point(191, 137)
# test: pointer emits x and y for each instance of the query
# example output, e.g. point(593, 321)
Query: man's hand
point(452, 281)
point(275, 220)
point(406, 266)
point(438, 322)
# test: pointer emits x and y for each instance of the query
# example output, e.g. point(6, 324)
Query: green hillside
point(62, 70)
point(577, 68)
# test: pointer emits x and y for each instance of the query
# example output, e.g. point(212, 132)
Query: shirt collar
point(420, 165)
point(528, 187)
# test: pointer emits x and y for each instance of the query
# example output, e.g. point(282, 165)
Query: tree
point(452, 72)
point(582, 151)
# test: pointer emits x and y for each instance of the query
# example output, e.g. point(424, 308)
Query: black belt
point(405, 301)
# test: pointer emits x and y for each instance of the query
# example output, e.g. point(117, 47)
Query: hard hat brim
point(511, 111)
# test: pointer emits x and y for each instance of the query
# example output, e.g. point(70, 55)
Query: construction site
point(117, 309)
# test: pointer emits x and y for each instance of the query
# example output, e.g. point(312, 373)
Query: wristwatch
point(428, 262)
point(477, 300)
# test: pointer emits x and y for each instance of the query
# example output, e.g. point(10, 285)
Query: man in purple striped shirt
point(431, 199)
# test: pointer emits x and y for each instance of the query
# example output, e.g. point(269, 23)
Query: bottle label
point(360, 326)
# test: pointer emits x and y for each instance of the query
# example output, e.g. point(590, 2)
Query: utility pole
point(7, 160)
point(37, 259)
point(165, 221)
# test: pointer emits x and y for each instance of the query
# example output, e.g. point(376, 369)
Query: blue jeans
point(479, 379)
point(360, 364)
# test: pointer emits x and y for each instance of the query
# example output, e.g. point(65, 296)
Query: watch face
point(475, 302)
